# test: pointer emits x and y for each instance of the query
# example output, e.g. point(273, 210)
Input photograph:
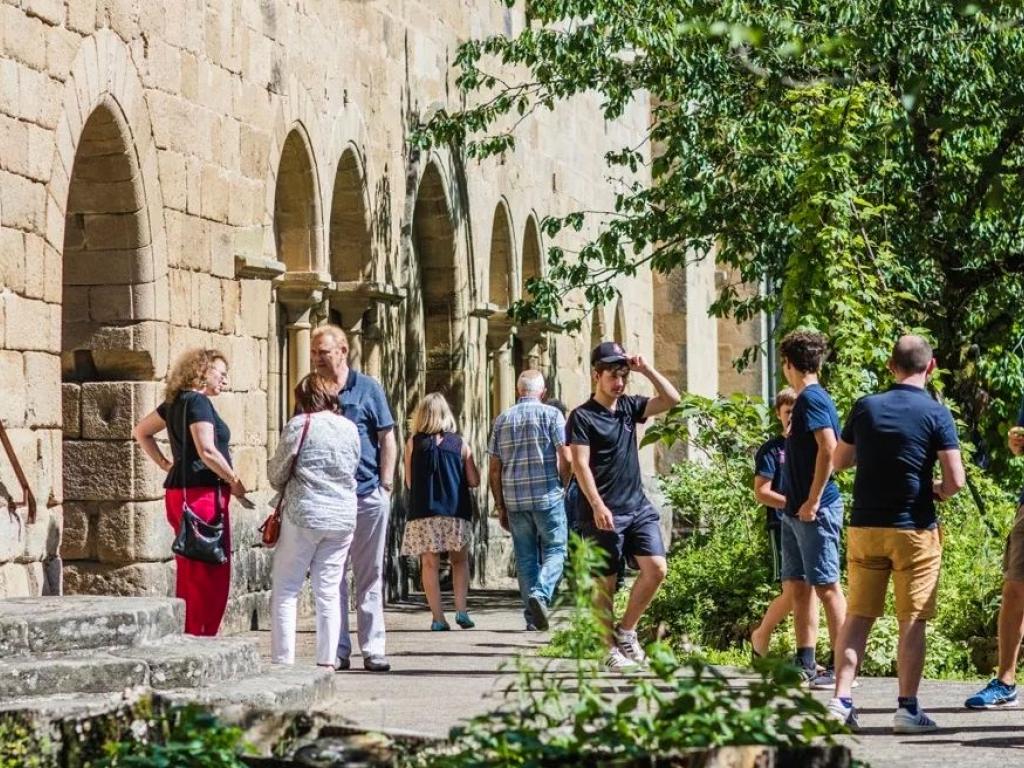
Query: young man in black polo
point(612, 508)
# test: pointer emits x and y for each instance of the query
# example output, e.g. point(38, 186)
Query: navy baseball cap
point(608, 352)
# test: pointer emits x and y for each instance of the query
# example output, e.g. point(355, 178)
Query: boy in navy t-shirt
point(813, 519)
point(769, 489)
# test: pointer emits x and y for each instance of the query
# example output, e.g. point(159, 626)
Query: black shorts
point(635, 535)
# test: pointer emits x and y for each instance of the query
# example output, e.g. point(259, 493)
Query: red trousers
point(203, 587)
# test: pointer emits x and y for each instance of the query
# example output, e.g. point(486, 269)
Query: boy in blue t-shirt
point(813, 519)
point(769, 489)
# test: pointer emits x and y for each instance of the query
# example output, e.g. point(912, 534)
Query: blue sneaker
point(463, 620)
point(995, 694)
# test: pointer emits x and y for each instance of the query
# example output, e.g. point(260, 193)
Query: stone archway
point(530, 347)
point(111, 298)
point(501, 293)
point(436, 320)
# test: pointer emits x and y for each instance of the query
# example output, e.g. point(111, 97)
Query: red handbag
point(271, 528)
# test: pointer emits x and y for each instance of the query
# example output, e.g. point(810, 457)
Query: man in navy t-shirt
point(813, 522)
point(1001, 691)
point(895, 438)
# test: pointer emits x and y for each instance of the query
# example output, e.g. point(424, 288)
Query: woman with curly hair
point(200, 474)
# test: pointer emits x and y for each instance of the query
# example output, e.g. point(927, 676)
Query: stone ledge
point(258, 267)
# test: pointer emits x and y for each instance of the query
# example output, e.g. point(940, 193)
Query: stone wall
point(230, 174)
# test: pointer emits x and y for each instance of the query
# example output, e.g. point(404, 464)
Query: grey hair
point(531, 383)
point(335, 332)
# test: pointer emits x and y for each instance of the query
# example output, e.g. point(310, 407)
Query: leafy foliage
point(863, 160)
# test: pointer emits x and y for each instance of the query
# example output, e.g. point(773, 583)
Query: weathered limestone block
point(31, 324)
point(251, 465)
point(42, 538)
point(97, 470)
point(144, 579)
point(110, 409)
point(255, 308)
point(71, 410)
point(79, 540)
point(231, 407)
point(244, 362)
point(12, 534)
point(133, 532)
point(43, 406)
point(12, 385)
point(21, 579)
point(148, 478)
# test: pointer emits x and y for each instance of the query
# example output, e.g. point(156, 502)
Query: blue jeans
point(539, 540)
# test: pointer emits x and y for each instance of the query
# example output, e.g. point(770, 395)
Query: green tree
point(863, 158)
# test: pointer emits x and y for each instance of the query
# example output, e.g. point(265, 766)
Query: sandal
point(439, 626)
point(463, 620)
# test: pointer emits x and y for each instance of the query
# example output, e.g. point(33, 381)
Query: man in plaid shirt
point(529, 466)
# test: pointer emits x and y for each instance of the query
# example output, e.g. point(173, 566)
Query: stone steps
point(34, 625)
point(72, 656)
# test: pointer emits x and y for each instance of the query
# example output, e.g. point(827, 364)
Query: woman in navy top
point(439, 471)
point(200, 474)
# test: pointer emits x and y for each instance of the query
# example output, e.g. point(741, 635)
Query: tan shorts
point(1013, 556)
point(913, 558)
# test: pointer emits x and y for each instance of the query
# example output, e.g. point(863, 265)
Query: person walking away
point(894, 438)
point(613, 510)
point(199, 474)
point(769, 489)
point(362, 401)
point(813, 523)
point(439, 471)
point(527, 469)
point(318, 517)
point(1001, 690)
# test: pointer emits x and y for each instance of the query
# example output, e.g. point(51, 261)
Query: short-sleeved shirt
point(897, 435)
point(438, 478)
point(769, 462)
point(1020, 423)
point(614, 457)
point(812, 411)
point(526, 439)
point(188, 470)
point(363, 402)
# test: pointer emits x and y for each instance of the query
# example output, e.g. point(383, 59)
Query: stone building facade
point(230, 174)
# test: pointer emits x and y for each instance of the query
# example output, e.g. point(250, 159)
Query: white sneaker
point(629, 645)
point(617, 660)
point(840, 713)
point(904, 722)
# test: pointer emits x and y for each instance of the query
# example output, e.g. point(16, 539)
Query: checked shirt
point(526, 439)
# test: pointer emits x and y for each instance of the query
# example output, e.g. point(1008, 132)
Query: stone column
point(357, 305)
point(301, 294)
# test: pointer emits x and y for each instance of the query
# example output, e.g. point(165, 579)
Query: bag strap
point(295, 459)
point(184, 450)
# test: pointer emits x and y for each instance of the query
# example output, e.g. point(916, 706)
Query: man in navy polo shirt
point(813, 523)
point(363, 401)
point(1001, 690)
point(612, 508)
point(895, 439)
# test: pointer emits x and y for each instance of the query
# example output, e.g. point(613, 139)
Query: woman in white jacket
point(318, 517)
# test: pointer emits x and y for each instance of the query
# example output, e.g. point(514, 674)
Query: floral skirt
point(435, 534)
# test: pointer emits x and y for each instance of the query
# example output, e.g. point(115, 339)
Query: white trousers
point(366, 557)
point(322, 554)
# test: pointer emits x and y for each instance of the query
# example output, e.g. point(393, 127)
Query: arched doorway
point(110, 298)
point(435, 327)
point(530, 347)
point(500, 295)
point(297, 235)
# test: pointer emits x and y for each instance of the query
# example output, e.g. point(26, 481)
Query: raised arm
point(665, 396)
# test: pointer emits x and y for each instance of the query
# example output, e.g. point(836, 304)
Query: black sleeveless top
point(438, 478)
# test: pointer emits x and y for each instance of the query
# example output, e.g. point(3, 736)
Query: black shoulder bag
point(197, 539)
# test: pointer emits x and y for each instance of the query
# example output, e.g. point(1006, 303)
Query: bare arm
point(953, 476)
point(588, 487)
point(845, 456)
point(213, 459)
point(764, 494)
point(826, 440)
point(665, 396)
point(144, 434)
point(388, 456)
point(564, 464)
point(469, 465)
point(407, 463)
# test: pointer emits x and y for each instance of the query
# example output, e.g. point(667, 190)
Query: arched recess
point(436, 323)
point(620, 324)
point(350, 260)
point(297, 218)
point(530, 346)
point(501, 283)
